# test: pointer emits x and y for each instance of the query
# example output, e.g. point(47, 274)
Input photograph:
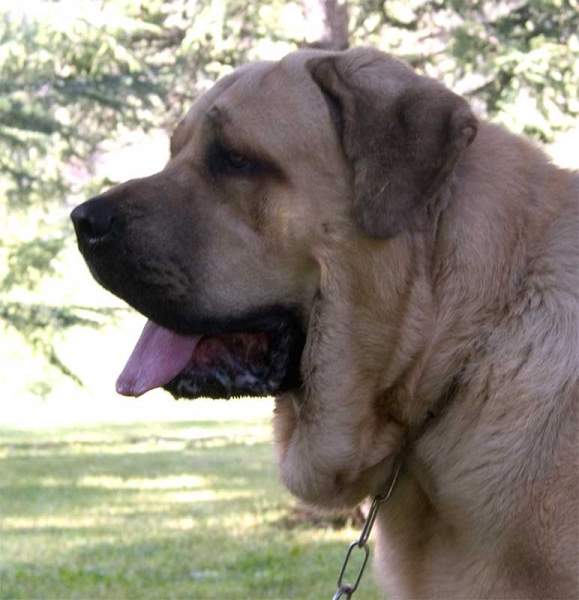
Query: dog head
point(251, 251)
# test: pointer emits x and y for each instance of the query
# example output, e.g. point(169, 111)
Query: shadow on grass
point(79, 481)
point(117, 432)
point(187, 565)
point(152, 517)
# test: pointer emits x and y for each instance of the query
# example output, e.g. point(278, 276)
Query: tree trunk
point(326, 24)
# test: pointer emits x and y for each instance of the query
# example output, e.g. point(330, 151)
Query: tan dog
point(338, 230)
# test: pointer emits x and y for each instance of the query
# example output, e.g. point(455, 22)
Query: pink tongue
point(158, 357)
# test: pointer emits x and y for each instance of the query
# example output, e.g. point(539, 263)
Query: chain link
point(346, 590)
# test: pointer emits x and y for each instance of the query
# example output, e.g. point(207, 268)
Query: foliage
point(62, 83)
point(517, 60)
point(75, 73)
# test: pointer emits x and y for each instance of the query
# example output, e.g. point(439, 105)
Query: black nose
point(93, 220)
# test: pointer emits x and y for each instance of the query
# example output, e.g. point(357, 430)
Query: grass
point(158, 510)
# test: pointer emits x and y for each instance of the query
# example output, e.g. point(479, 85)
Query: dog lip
point(95, 242)
point(262, 320)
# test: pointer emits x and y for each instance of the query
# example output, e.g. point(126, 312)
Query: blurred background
point(109, 497)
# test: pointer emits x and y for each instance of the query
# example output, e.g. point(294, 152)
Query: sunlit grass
point(154, 510)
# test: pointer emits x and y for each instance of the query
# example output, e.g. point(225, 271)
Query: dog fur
point(434, 262)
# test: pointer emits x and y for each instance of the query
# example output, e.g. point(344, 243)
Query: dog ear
point(401, 133)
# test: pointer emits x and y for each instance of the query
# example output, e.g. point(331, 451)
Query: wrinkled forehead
point(228, 88)
point(270, 100)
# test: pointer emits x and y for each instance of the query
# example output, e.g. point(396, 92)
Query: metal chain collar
point(346, 590)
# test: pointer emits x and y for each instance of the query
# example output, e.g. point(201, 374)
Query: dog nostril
point(92, 221)
point(96, 226)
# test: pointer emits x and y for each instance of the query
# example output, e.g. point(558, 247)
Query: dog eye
point(223, 160)
point(237, 162)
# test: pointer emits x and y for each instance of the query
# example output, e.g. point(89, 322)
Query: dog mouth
point(222, 364)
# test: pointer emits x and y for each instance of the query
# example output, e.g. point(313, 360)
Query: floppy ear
point(402, 134)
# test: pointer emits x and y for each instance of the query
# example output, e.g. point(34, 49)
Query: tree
point(64, 86)
point(326, 24)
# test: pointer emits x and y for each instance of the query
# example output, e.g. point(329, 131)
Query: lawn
point(186, 507)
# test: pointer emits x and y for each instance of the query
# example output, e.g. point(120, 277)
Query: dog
point(343, 233)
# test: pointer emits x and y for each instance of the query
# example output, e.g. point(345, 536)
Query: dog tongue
point(158, 357)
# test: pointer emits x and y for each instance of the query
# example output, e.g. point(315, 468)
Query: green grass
point(155, 510)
